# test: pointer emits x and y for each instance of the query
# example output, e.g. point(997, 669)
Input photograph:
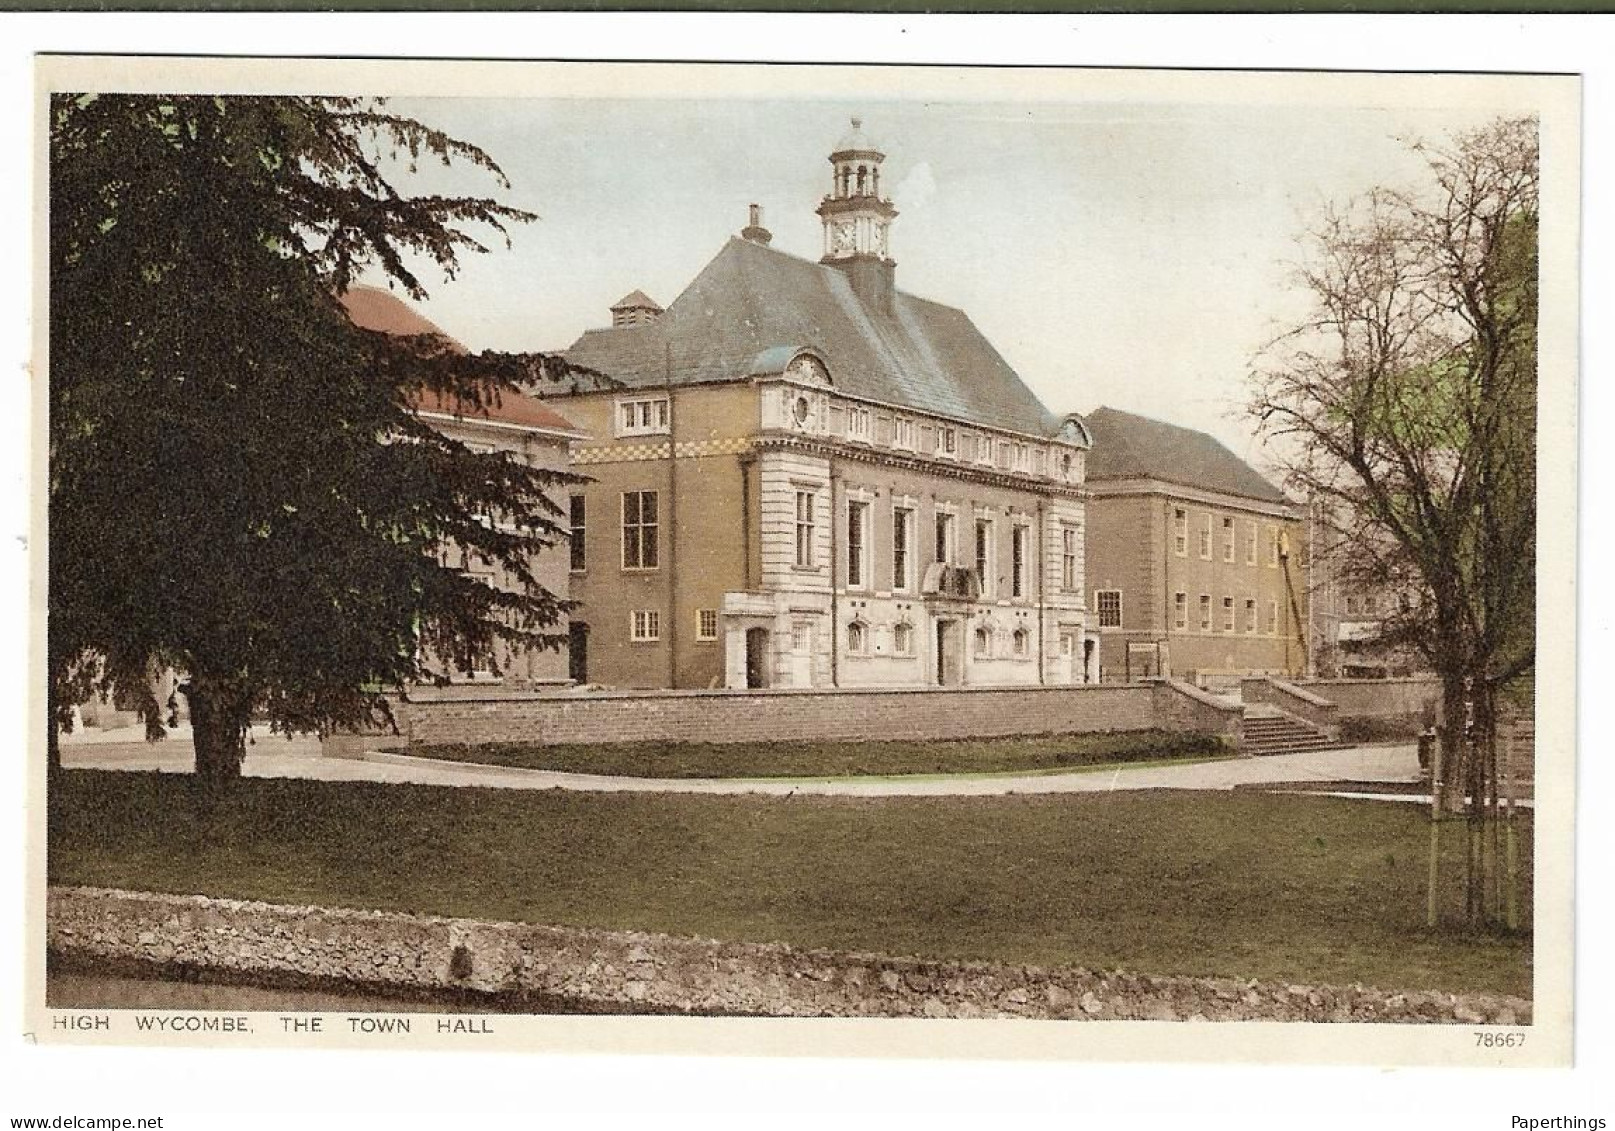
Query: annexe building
point(1194, 559)
point(806, 477)
point(523, 425)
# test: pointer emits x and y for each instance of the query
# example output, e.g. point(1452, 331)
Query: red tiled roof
point(372, 308)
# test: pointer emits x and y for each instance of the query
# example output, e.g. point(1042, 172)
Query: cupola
point(635, 309)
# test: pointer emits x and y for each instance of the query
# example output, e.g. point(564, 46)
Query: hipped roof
point(1127, 446)
point(752, 299)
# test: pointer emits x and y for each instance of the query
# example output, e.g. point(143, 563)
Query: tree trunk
point(53, 742)
point(220, 715)
point(1454, 764)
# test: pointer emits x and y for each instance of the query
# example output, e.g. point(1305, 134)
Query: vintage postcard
point(1042, 562)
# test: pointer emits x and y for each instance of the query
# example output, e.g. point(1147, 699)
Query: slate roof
point(372, 308)
point(752, 299)
point(1126, 446)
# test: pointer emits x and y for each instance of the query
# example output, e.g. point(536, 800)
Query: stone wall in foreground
point(621, 971)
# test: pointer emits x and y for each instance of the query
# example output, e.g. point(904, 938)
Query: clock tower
point(857, 219)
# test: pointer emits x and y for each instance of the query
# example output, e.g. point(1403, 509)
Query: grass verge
point(837, 759)
point(1231, 884)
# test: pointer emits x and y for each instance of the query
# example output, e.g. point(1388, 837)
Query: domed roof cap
point(856, 142)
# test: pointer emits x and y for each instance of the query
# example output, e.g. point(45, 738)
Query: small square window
point(646, 625)
point(706, 624)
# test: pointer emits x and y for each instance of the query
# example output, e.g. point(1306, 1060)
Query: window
point(1272, 547)
point(857, 543)
point(1351, 606)
point(1228, 614)
point(642, 417)
point(645, 625)
point(903, 639)
point(1022, 641)
point(1180, 610)
point(858, 423)
point(1205, 612)
point(706, 624)
point(1250, 614)
point(801, 637)
point(947, 440)
point(639, 530)
point(576, 510)
point(984, 449)
point(984, 642)
point(1272, 618)
point(1021, 459)
point(1070, 559)
point(905, 433)
point(1250, 545)
point(984, 554)
point(1108, 604)
point(1205, 539)
point(1017, 564)
point(944, 537)
point(1227, 539)
point(902, 537)
point(857, 637)
point(804, 529)
point(1180, 531)
point(1371, 606)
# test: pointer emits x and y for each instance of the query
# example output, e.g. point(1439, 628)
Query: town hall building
point(803, 476)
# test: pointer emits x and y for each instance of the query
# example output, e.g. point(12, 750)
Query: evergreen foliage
point(240, 488)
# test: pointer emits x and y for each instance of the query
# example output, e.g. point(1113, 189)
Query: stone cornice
point(881, 457)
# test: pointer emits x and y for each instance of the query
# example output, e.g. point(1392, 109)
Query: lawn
point(839, 759)
point(1236, 884)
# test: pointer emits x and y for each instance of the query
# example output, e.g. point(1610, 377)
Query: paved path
point(275, 756)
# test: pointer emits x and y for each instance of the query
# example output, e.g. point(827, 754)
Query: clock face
point(844, 237)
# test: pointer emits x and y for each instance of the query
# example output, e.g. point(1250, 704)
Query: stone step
point(1267, 734)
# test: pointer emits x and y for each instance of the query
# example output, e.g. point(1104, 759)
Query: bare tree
point(1407, 402)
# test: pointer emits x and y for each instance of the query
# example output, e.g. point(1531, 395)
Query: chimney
point(754, 231)
point(873, 280)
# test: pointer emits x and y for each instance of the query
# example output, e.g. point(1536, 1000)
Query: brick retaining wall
point(624, 971)
point(846, 714)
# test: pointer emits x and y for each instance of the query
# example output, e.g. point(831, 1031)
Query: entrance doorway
point(757, 657)
point(577, 652)
point(949, 665)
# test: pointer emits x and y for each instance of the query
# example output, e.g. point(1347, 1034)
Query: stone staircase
point(1271, 731)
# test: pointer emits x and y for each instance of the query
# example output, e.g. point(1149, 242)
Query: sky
point(1129, 253)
